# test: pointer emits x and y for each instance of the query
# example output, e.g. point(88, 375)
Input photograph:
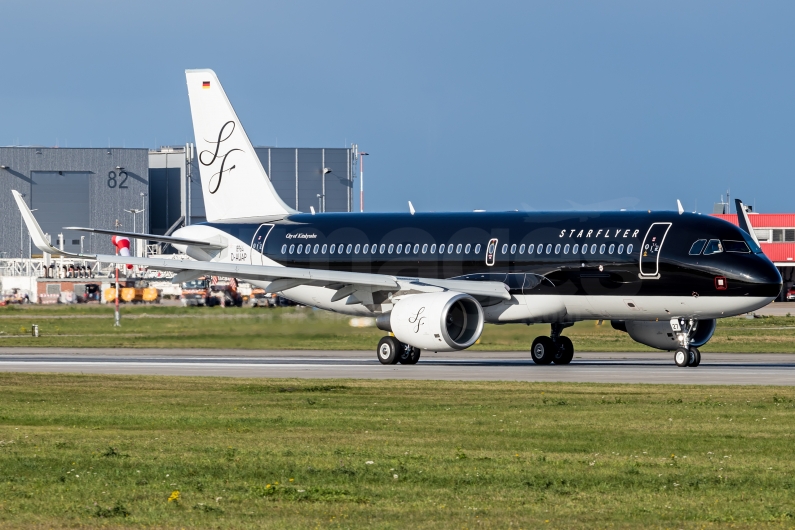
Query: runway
point(715, 369)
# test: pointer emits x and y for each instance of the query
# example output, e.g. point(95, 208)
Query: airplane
point(432, 280)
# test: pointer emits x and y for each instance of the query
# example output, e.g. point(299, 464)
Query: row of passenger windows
point(575, 249)
point(715, 246)
point(375, 249)
point(450, 249)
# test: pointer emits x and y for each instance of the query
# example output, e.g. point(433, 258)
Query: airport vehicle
point(15, 295)
point(133, 290)
point(261, 298)
point(206, 292)
point(434, 279)
point(791, 294)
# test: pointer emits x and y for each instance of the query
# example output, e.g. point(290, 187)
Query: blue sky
point(462, 105)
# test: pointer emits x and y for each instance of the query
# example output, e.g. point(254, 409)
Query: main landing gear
point(685, 355)
point(392, 351)
point(553, 349)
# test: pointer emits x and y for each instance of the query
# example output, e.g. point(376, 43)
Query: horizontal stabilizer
point(150, 237)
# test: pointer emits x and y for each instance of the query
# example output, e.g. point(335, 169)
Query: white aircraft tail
point(234, 183)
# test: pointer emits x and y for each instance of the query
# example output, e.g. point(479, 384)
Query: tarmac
point(651, 368)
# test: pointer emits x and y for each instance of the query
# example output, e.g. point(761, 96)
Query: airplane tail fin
point(234, 183)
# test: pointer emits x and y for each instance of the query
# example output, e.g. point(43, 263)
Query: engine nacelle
point(660, 335)
point(445, 321)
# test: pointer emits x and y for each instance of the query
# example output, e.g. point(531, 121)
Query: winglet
point(35, 230)
point(742, 218)
point(679, 207)
point(411, 208)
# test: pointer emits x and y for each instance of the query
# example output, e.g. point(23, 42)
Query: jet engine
point(660, 335)
point(445, 321)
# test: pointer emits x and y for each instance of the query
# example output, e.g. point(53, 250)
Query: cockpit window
point(736, 246)
point(697, 247)
point(713, 247)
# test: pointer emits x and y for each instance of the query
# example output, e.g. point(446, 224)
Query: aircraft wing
point(150, 237)
point(283, 278)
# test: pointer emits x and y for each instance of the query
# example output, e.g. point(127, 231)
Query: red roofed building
point(776, 235)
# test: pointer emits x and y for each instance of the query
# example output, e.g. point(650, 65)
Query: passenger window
point(356, 250)
point(324, 249)
point(621, 248)
point(713, 247)
point(513, 248)
point(340, 247)
point(316, 249)
point(697, 247)
point(391, 248)
point(505, 248)
point(308, 248)
point(557, 248)
point(530, 248)
point(459, 248)
point(332, 248)
point(602, 248)
point(736, 246)
point(629, 249)
point(549, 248)
point(566, 249)
point(467, 248)
point(593, 248)
point(383, 248)
point(400, 248)
point(425, 248)
point(416, 248)
point(540, 248)
point(374, 249)
point(299, 249)
point(585, 249)
point(441, 249)
point(450, 248)
point(521, 249)
point(284, 249)
point(575, 248)
point(433, 248)
point(292, 248)
point(365, 248)
point(611, 249)
point(348, 250)
point(477, 248)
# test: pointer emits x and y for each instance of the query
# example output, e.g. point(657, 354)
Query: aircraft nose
point(766, 276)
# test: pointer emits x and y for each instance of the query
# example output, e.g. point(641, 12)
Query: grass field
point(127, 451)
point(303, 328)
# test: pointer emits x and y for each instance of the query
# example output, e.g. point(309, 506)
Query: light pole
point(322, 205)
point(143, 221)
point(361, 180)
point(134, 212)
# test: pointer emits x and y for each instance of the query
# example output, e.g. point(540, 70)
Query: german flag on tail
point(206, 84)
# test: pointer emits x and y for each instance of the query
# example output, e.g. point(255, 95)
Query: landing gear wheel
point(695, 357)
point(388, 350)
point(409, 354)
point(543, 350)
point(565, 351)
point(682, 357)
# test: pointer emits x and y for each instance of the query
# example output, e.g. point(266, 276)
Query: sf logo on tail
point(223, 135)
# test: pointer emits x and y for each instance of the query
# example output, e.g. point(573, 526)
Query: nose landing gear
point(553, 349)
point(685, 355)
